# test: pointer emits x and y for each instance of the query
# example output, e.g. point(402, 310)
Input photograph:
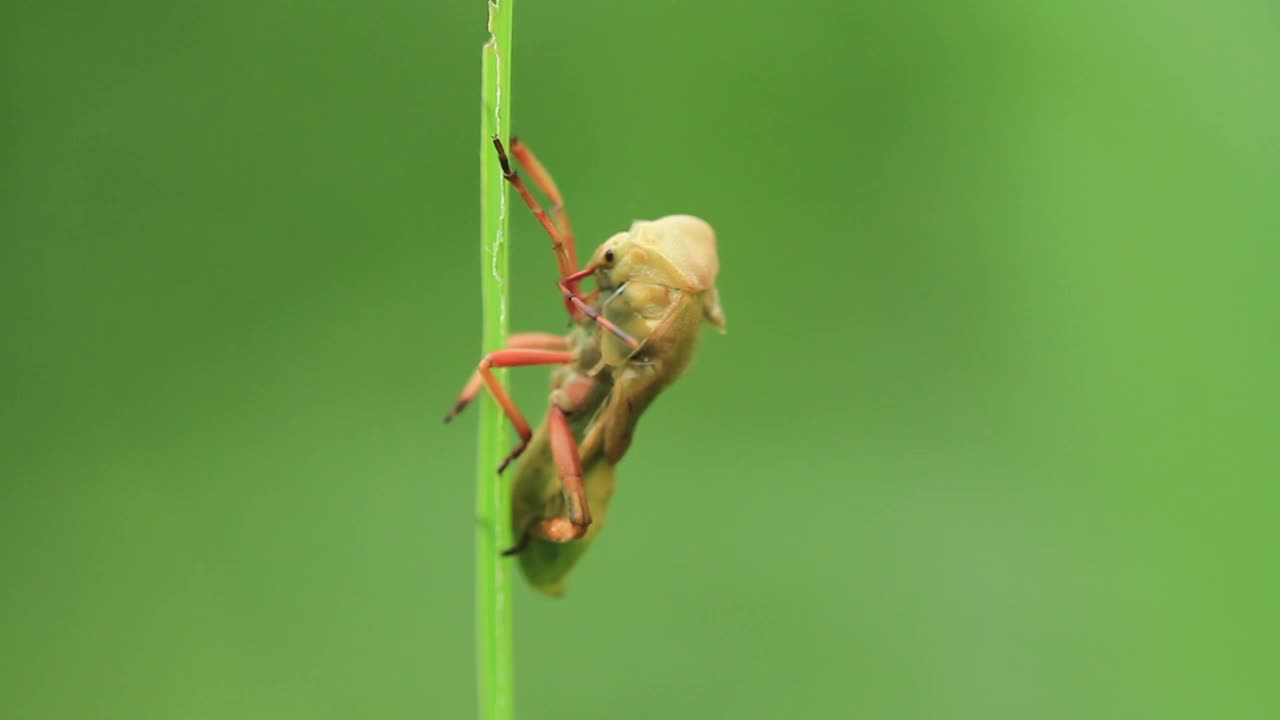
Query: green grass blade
point(493, 572)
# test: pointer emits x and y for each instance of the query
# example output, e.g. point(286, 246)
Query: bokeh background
point(991, 436)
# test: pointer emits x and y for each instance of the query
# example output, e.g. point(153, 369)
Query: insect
point(631, 336)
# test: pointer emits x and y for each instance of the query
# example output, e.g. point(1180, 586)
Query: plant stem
point(493, 534)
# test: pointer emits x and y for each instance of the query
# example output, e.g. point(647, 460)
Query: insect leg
point(568, 286)
point(569, 465)
point(565, 258)
point(544, 182)
point(538, 341)
point(512, 357)
point(530, 341)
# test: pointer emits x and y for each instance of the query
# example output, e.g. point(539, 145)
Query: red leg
point(568, 286)
point(565, 253)
point(569, 465)
point(508, 358)
point(544, 182)
point(538, 341)
point(530, 341)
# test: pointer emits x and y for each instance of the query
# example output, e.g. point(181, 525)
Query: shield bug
point(631, 337)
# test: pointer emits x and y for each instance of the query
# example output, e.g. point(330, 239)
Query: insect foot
point(562, 530)
point(519, 546)
point(512, 456)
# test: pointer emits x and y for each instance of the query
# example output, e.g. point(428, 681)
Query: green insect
point(632, 336)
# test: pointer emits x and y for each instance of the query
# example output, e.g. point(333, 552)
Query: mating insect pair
point(632, 336)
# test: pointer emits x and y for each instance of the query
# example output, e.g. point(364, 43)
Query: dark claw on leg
point(518, 547)
point(454, 412)
point(514, 454)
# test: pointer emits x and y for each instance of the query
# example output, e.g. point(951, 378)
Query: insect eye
point(608, 255)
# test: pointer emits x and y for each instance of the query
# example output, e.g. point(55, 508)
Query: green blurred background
point(990, 436)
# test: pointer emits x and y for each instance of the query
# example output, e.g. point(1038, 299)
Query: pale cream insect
point(632, 336)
